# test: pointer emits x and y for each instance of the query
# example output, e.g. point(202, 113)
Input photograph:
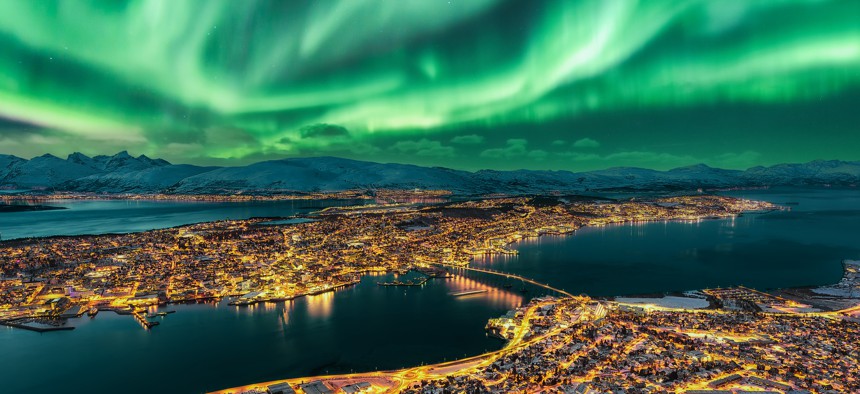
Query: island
point(8, 208)
point(749, 341)
point(561, 342)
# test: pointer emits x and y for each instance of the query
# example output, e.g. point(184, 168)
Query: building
point(281, 388)
point(316, 387)
point(360, 387)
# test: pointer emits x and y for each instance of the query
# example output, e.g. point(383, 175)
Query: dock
point(159, 314)
point(39, 328)
point(74, 311)
point(407, 283)
point(246, 301)
point(141, 318)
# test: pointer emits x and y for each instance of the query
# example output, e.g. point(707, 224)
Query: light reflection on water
point(320, 305)
point(359, 328)
point(803, 246)
point(367, 327)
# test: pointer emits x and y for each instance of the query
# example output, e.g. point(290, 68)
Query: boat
point(159, 314)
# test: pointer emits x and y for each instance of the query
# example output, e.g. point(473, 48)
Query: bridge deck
point(507, 275)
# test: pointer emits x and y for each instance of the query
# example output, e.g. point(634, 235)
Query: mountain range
point(123, 173)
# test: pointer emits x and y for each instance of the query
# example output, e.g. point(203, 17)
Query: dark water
point(208, 347)
point(121, 216)
point(803, 246)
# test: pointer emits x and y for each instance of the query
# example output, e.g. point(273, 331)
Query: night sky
point(468, 84)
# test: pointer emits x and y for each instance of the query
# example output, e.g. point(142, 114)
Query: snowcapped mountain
point(43, 171)
point(123, 173)
point(814, 172)
point(147, 180)
point(322, 174)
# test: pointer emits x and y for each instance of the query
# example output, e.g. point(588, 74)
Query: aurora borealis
point(466, 84)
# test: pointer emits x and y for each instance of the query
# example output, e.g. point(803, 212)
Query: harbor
point(427, 273)
point(406, 283)
point(259, 296)
point(38, 325)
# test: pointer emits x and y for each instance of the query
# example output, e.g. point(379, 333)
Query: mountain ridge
point(124, 173)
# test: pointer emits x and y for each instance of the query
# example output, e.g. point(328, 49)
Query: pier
point(397, 283)
point(246, 301)
point(141, 318)
point(26, 325)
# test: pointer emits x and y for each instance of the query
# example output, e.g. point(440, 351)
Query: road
point(512, 276)
point(401, 379)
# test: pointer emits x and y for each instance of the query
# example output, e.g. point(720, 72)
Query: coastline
point(12, 208)
point(398, 378)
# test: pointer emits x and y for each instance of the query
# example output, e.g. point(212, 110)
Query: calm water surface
point(122, 216)
point(800, 247)
point(206, 347)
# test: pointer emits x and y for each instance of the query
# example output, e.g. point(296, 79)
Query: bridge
point(511, 276)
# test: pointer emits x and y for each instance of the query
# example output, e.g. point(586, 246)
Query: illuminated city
point(430, 197)
point(739, 337)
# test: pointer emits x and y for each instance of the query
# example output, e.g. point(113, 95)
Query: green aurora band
point(472, 83)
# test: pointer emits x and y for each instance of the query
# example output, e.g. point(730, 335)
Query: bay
point(125, 216)
point(801, 246)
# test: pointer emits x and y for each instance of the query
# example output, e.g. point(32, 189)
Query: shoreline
point(504, 237)
point(561, 230)
point(36, 329)
point(396, 377)
point(707, 308)
point(15, 208)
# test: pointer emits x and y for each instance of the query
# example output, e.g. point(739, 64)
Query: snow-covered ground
point(125, 173)
point(667, 302)
point(842, 292)
point(849, 286)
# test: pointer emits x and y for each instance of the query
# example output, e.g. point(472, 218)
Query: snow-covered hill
point(146, 180)
point(323, 174)
point(43, 171)
point(123, 173)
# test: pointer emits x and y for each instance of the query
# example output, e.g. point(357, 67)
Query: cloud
point(631, 158)
point(586, 143)
point(323, 130)
point(559, 143)
point(579, 156)
point(515, 147)
point(643, 158)
point(744, 159)
point(662, 160)
point(424, 147)
point(468, 139)
point(363, 148)
point(537, 154)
